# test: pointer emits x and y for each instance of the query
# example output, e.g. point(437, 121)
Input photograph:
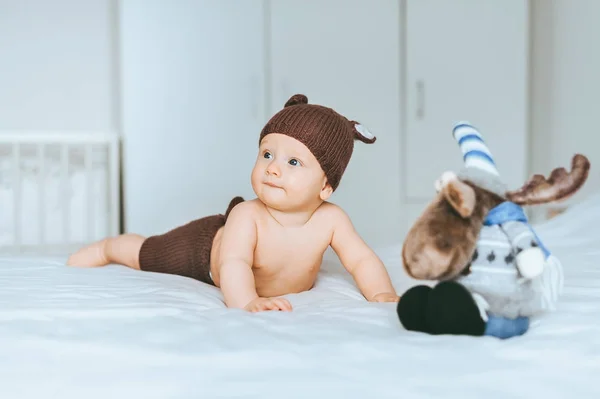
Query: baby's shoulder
point(330, 213)
point(244, 211)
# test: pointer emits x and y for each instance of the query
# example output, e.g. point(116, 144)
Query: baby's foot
point(92, 255)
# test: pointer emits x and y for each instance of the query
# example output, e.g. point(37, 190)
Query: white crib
point(58, 190)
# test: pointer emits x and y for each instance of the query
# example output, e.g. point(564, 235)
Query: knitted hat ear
point(362, 133)
point(296, 99)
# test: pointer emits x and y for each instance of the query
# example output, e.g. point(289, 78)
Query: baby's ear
point(326, 191)
point(460, 196)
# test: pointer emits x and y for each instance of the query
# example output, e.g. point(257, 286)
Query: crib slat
point(65, 191)
point(114, 187)
point(88, 192)
point(17, 194)
point(42, 193)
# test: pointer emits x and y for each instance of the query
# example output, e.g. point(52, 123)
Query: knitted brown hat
point(327, 134)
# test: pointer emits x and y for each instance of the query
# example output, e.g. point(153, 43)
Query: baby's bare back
point(286, 259)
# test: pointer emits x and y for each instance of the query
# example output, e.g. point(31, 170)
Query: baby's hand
point(260, 304)
point(385, 297)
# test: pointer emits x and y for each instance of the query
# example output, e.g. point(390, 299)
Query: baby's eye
point(267, 155)
point(294, 162)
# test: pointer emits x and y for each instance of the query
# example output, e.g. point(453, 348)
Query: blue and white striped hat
point(475, 153)
point(479, 167)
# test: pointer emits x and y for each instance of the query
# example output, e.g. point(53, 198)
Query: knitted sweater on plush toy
point(512, 273)
point(495, 279)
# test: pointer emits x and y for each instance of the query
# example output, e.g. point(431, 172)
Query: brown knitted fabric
point(185, 250)
point(327, 134)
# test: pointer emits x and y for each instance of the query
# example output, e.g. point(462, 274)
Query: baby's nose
point(273, 169)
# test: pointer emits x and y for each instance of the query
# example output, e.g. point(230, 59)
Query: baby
point(265, 248)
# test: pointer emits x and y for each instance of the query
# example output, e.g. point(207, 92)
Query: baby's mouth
point(271, 184)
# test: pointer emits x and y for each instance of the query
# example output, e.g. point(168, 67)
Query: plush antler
point(559, 186)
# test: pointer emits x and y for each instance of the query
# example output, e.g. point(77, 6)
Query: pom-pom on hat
point(327, 134)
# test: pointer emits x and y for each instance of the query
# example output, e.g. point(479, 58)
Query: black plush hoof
point(452, 310)
point(412, 308)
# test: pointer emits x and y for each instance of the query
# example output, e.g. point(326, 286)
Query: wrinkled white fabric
point(114, 332)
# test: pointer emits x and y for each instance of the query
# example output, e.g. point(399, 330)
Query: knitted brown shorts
point(185, 250)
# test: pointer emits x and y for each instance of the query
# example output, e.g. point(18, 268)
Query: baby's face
point(286, 175)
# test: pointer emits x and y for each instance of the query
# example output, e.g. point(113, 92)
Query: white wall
point(192, 108)
point(58, 71)
point(565, 107)
point(58, 65)
point(211, 113)
point(358, 72)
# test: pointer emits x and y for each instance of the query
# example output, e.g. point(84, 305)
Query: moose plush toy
point(491, 272)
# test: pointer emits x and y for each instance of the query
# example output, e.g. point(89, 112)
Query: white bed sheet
point(116, 333)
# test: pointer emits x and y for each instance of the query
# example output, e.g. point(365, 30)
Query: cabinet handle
point(420, 99)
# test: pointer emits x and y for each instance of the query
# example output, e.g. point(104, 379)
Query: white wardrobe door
point(193, 106)
point(344, 54)
point(465, 60)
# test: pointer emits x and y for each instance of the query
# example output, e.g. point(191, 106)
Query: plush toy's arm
point(529, 257)
point(519, 234)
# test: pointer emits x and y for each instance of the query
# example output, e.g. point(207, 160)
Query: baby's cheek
point(253, 179)
point(304, 192)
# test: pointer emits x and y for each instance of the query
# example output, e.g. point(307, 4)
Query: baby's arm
point(362, 263)
point(236, 259)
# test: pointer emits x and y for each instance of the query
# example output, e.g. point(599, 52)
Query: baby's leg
point(123, 250)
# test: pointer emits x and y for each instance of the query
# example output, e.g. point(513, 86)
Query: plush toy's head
point(440, 244)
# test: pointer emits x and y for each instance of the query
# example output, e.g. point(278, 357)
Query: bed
point(116, 333)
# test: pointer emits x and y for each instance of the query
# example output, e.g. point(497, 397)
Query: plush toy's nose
point(419, 267)
point(428, 264)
